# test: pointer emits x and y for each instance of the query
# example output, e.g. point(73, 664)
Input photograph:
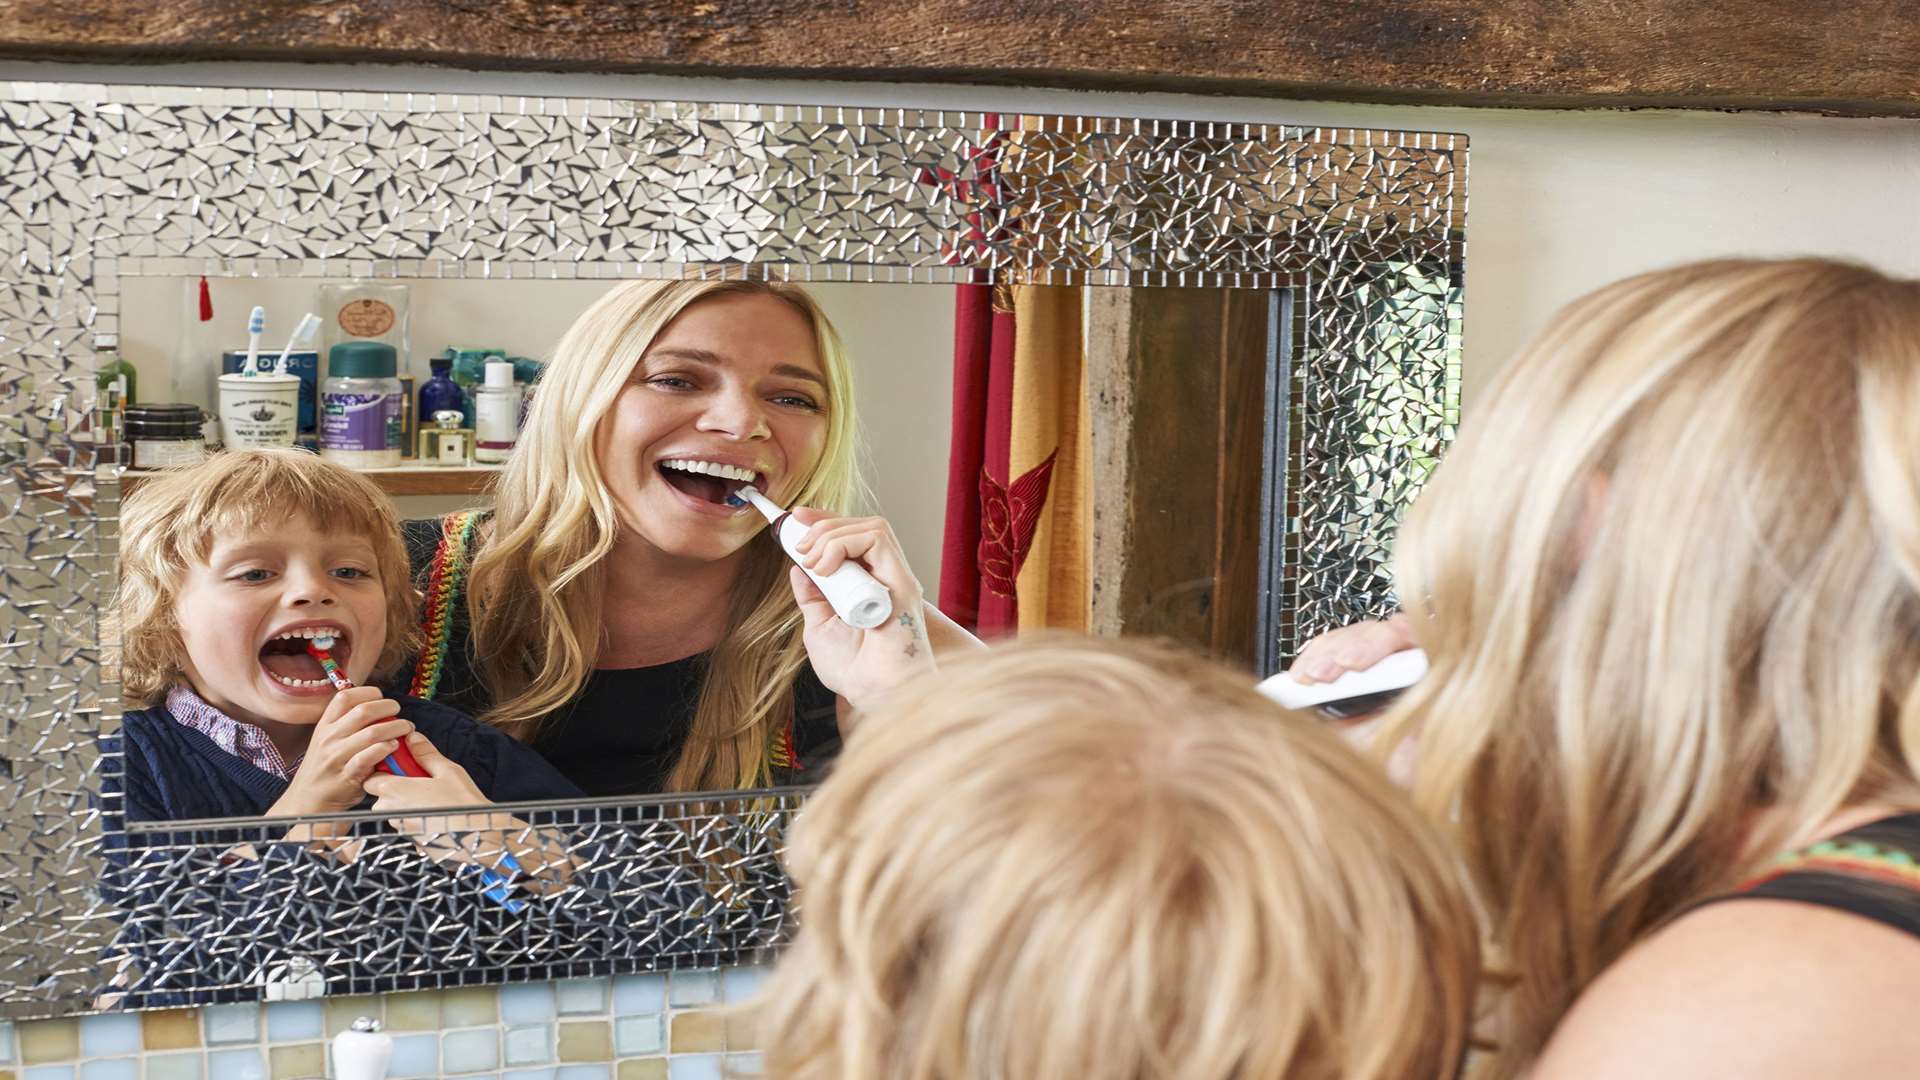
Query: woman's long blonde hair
point(1084, 858)
point(535, 592)
point(1667, 583)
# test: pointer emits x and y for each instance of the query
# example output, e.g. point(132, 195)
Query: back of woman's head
point(1667, 580)
point(1078, 858)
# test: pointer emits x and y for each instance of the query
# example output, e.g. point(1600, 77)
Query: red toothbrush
point(401, 762)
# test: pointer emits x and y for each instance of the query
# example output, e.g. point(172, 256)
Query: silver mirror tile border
point(107, 181)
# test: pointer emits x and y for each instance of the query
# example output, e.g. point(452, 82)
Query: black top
point(1872, 871)
point(621, 734)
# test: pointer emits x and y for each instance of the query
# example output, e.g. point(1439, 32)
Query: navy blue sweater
point(174, 773)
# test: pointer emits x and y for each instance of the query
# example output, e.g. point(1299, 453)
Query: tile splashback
point(668, 1026)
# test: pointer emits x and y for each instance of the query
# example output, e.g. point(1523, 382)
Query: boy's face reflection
point(245, 613)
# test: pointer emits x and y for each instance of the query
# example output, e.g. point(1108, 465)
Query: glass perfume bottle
point(446, 442)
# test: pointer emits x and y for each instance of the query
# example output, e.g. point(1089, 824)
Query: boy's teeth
point(309, 632)
point(298, 684)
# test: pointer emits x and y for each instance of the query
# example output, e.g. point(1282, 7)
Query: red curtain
point(983, 343)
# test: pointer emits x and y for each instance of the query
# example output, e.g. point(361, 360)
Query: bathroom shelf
point(405, 480)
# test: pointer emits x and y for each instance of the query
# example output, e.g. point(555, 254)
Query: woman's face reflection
point(731, 386)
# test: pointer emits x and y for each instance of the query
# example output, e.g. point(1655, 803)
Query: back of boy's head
point(171, 521)
point(1081, 858)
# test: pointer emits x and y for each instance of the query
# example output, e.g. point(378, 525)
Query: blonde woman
point(1077, 858)
point(1669, 582)
point(614, 610)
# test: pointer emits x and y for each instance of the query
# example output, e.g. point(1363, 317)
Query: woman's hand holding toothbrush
point(857, 664)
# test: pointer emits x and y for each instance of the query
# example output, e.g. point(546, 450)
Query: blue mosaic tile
point(470, 1051)
point(578, 997)
point(177, 1067)
point(739, 984)
point(637, 1035)
point(745, 1065)
point(295, 1021)
point(237, 1065)
point(116, 1069)
point(532, 1045)
point(528, 1074)
point(693, 988)
point(6, 1042)
point(230, 1023)
point(527, 1003)
point(585, 1072)
point(415, 1055)
point(635, 994)
point(695, 1067)
point(110, 1034)
point(49, 1072)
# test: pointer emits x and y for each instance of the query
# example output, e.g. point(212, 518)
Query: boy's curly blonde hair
point(168, 525)
point(1083, 858)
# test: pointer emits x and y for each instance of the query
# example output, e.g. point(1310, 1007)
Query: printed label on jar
point(251, 418)
point(360, 421)
point(160, 453)
point(366, 318)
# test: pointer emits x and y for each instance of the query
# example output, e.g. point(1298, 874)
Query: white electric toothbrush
point(303, 336)
point(256, 325)
point(859, 600)
point(1354, 693)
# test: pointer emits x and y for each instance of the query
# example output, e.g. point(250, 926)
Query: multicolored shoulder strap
point(1856, 858)
point(780, 752)
point(446, 587)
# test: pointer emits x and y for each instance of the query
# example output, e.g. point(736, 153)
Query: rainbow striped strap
point(1855, 858)
point(446, 586)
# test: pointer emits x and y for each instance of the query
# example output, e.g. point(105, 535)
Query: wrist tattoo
point(913, 649)
point(906, 620)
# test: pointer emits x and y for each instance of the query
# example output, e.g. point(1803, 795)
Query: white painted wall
point(900, 339)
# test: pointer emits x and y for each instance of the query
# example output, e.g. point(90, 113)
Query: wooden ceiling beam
point(1861, 57)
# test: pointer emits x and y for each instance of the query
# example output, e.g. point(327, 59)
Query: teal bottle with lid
point(360, 406)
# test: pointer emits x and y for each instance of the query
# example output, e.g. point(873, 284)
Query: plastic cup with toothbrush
point(256, 325)
point(402, 763)
point(264, 410)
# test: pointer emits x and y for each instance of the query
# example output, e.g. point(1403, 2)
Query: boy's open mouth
point(709, 481)
point(287, 661)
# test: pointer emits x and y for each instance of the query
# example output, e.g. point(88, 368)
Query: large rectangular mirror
point(1033, 309)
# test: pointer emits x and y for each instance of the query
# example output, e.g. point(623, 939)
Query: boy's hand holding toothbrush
point(359, 728)
point(857, 664)
point(445, 784)
point(498, 844)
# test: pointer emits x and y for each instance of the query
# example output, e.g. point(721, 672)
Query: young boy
point(227, 570)
point(1083, 858)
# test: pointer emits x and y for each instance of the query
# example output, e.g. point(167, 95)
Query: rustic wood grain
point(1177, 378)
point(1861, 57)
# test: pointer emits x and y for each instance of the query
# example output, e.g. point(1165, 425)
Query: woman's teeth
point(709, 468)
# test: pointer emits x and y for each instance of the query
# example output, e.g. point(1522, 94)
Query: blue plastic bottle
point(440, 391)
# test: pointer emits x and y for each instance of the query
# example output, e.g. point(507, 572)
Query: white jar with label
point(496, 414)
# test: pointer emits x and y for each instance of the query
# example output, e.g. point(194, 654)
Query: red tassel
point(206, 301)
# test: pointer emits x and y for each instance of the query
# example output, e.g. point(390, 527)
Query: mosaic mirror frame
point(1360, 232)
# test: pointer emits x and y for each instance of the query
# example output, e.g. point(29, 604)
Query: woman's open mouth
point(708, 481)
point(286, 660)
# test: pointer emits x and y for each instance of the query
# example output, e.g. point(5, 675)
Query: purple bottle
point(440, 391)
